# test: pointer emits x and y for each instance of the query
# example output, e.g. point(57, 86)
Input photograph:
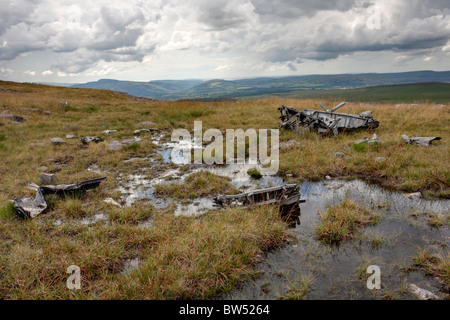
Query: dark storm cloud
point(259, 32)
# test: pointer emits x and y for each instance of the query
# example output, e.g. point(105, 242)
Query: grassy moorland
point(179, 257)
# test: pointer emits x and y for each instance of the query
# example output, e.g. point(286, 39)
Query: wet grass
point(343, 221)
point(434, 263)
point(299, 288)
point(179, 257)
point(198, 184)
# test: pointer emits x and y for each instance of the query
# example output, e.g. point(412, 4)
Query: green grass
point(299, 289)
point(7, 211)
point(343, 221)
point(199, 184)
point(254, 173)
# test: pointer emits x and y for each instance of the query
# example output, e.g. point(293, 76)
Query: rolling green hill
point(369, 86)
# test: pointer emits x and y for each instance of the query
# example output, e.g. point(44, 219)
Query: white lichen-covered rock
point(289, 144)
point(48, 178)
point(422, 294)
point(414, 195)
point(56, 141)
point(115, 145)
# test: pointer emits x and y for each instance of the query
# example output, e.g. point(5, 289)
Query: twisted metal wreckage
point(287, 197)
point(326, 121)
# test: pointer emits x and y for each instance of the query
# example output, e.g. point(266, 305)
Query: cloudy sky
point(78, 41)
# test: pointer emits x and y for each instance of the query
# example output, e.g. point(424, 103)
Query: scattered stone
point(423, 141)
point(112, 201)
point(115, 145)
point(328, 177)
point(380, 159)
point(87, 140)
point(143, 130)
point(109, 131)
point(130, 141)
point(414, 195)
point(422, 294)
point(289, 144)
point(43, 168)
point(12, 117)
point(366, 114)
point(48, 178)
point(40, 144)
point(363, 140)
point(70, 136)
point(56, 141)
point(146, 123)
point(340, 155)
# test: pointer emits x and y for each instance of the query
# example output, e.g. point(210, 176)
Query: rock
point(422, 294)
point(40, 144)
point(109, 131)
point(115, 145)
point(72, 127)
point(12, 117)
point(380, 159)
point(48, 178)
point(340, 155)
point(56, 141)
point(145, 123)
point(328, 177)
point(70, 136)
point(289, 144)
point(414, 195)
point(143, 130)
point(43, 168)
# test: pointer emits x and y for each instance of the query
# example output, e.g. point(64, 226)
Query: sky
point(139, 40)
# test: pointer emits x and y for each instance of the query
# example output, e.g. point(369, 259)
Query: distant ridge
point(219, 88)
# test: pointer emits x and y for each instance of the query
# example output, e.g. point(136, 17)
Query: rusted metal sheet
point(326, 121)
point(30, 208)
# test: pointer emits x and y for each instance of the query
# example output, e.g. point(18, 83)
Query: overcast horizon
point(72, 42)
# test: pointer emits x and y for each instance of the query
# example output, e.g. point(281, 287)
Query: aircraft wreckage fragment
point(30, 208)
point(326, 121)
point(287, 197)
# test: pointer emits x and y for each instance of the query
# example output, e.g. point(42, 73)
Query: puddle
point(333, 269)
point(94, 219)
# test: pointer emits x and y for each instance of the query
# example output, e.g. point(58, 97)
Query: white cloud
point(251, 34)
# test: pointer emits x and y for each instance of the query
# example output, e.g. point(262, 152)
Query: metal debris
point(87, 140)
point(326, 121)
point(30, 208)
point(287, 197)
point(423, 141)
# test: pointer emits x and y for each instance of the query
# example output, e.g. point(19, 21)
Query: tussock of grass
point(435, 264)
point(180, 257)
point(7, 211)
point(198, 184)
point(254, 173)
point(343, 221)
point(299, 289)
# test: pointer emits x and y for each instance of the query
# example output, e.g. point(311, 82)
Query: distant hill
point(281, 86)
point(158, 89)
